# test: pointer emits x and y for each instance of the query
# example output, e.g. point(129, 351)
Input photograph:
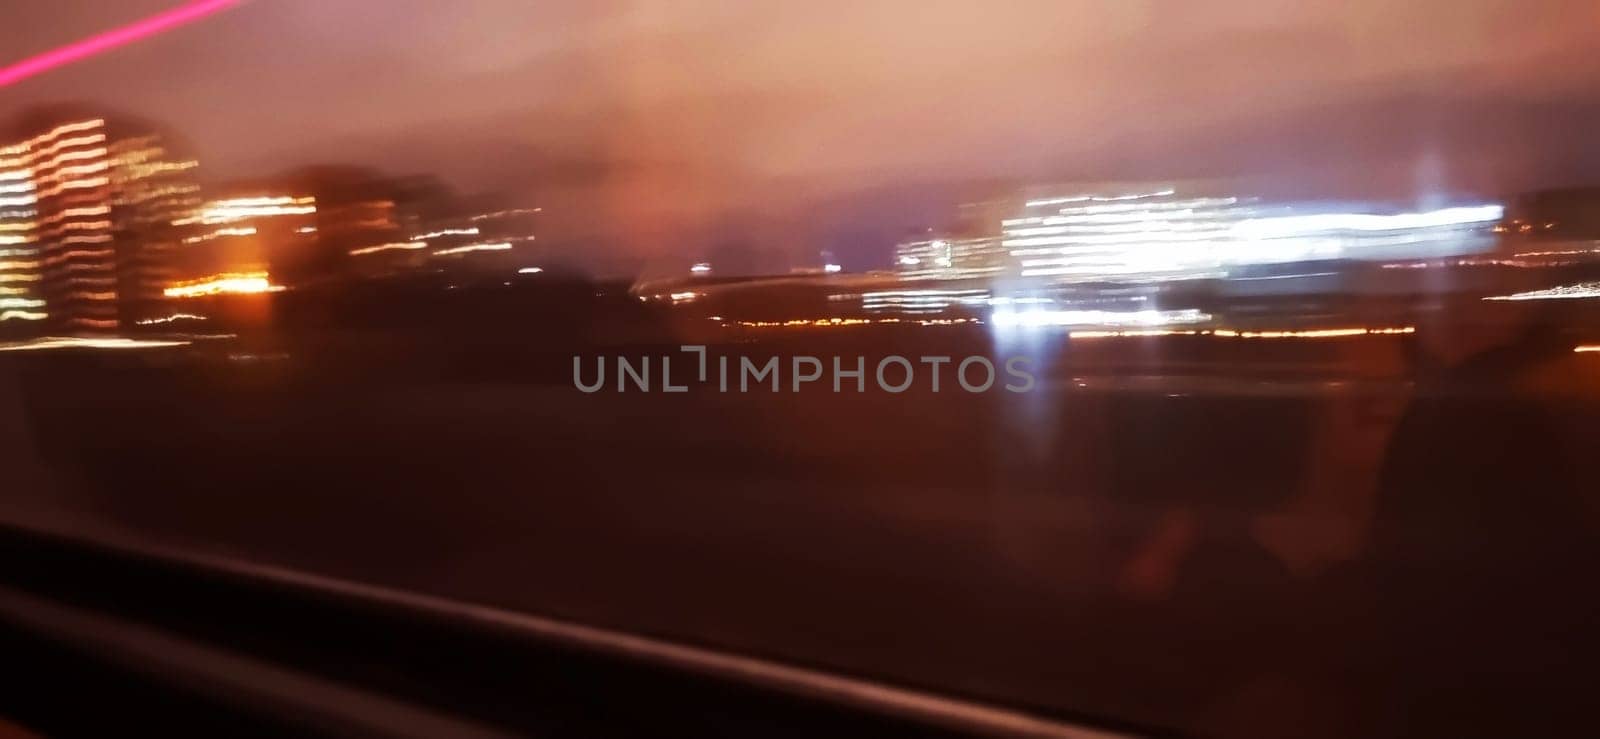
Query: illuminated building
point(1148, 235)
point(383, 226)
point(241, 244)
point(330, 224)
point(153, 193)
point(21, 300)
point(87, 204)
point(930, 300)
point(373, 226)
point(951, 258)
point(493, 241)
point(1160, 234)
point(966, 247)
point(65, 248)
point(354, 224)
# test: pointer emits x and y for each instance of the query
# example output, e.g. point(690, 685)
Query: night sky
point(660, 127)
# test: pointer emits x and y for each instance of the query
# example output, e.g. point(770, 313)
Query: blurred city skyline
point(652, 129)
point(669, 367)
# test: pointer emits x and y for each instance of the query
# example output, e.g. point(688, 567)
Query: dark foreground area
point(1317, 541)
point(100, 637)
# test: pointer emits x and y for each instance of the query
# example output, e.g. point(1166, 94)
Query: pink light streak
point(103, 42)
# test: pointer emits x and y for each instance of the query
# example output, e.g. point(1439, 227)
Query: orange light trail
point(103, 42)
point(233, 283)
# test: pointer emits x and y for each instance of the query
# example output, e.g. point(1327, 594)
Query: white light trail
point(1038, 317)
point(403, 245)
point(1565, 292)
point(57, 342)
point(446, 232)
point(472, 248)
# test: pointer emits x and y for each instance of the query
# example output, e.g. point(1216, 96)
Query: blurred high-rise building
point(324, 226)
point(1152, 234)
point(87, 202)
point(356, 208)
point(21, 295)
point(966, 247)
point(466, 238)
point(1156, 234)
point(153, 193)
point(65, 245)
point(951, 258)
point(241, 243)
